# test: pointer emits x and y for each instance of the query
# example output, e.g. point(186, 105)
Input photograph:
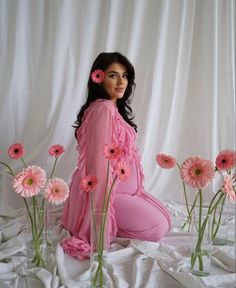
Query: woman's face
point(115, 81)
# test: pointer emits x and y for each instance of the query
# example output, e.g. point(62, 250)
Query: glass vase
point(201, 246)
point(219, 223)
point(36, 237)
point(99, 248)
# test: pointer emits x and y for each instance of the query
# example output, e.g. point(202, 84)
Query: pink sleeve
point(100, 131)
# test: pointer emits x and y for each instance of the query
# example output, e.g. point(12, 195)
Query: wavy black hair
point(96, 91)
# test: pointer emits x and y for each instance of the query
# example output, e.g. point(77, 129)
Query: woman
point(106, 118)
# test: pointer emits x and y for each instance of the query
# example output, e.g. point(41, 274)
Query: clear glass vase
point(99, 248)
point(219, 223)
point(36, 244)
point(201, 245)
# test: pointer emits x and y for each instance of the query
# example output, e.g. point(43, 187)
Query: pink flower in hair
point(88, 183)
point(56, 150)
point(165, 161)
point(197, 172)
point(97, 76)
point(57, 191)
point(228, 187)
point(226, 160)
point(30, 181)
point(16, 151)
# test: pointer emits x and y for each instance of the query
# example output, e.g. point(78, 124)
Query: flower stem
point(54, 167)
point(11, 171)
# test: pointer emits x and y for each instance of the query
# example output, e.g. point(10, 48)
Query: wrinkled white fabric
point(131, 263)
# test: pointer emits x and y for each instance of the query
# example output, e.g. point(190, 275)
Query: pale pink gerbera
point(228, 187)
point(57, 191)
point(56, 150)
point(122, 171)
point(112, 151)
point(97, 76)
point(16, 151)
point(226, 160)
point(197, 172)
point(165, 161)
point(88, 183)
point(30, 181)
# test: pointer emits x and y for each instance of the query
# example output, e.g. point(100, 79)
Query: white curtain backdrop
point(184, 103)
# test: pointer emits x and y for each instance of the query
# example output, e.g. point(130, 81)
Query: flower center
point(122, 171)
point(90, 183)
point(16, 150)
point(166, 160)
point(112, 151)
point(56, 151)
point(29, 181)
point(198, 172)
point(224, 161)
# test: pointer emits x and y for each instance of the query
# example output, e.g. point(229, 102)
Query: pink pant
point(140, 217)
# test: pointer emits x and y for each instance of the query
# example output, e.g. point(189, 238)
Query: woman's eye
point(125, 76)
point(113, 76)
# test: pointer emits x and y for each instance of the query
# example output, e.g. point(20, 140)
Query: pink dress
point(133, 212)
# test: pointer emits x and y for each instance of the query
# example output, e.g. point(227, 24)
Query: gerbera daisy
point(112, 151)
point(97, 76)
point(165, 161)
point(56, 150)
point(228, 187)
point(226, 160)
point(30, 181)
point(16, 151)
point(88, 183)
point(56, 191)
point(197, 172)
point(122, 171)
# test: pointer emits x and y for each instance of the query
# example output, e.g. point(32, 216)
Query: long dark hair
point(96, 91)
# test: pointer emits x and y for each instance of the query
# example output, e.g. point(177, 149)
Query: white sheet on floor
point(132, 263)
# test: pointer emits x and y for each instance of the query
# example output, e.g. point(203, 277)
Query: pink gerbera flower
point(56, 150)
point(30, 181)
point(97, 76)
point(122, 171)
point(226, 160)
point(57, 191)
point(88, 183)
point(16, 151)
point(165, 161)
point(197, 172)
point(228, 187)
point(112, 151)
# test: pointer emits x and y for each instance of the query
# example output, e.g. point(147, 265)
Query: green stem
point(22, 160)
point(185, 194)
point(54, 167)
point(214, 230)
point(190, 214)
point(8, 167)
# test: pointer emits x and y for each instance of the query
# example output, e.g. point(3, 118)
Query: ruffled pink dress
point(133, 213)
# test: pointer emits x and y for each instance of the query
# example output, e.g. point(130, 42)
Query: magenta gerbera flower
point(197, 172)
point(165, 161)
point(57, 191)
point(56, 150)
point(88, 183)
point(228, 187)
point(112, 151)
point(226, 160)
point(30, 181)
point(16, 151)
point(122, 171)
point(97, 76)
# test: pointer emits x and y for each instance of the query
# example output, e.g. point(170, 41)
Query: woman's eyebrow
point(117, 72)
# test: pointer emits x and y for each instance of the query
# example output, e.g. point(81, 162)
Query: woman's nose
point(120, 80)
